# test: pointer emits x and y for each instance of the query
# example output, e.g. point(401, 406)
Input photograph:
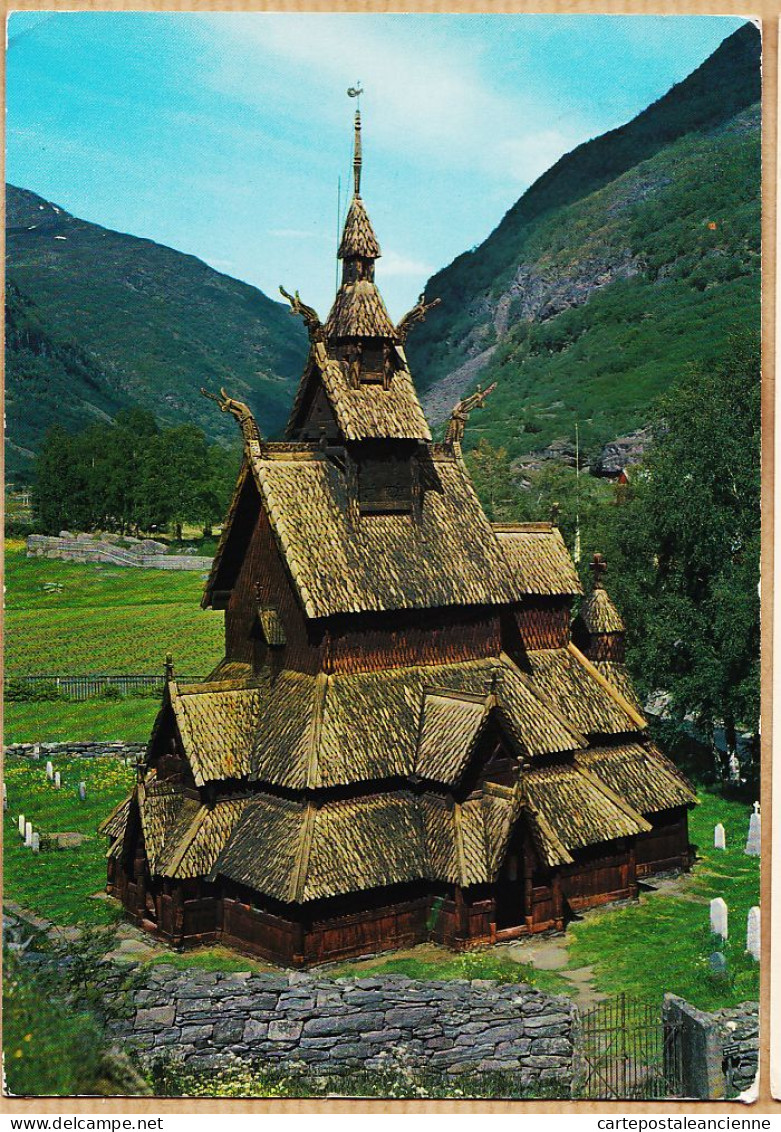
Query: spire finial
point(598, 568)
point(356, 92)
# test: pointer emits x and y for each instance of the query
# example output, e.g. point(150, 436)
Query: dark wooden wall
point(369, 643)
point(263, 567)
point(666, 846)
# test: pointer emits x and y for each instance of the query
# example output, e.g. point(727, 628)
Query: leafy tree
point(684, 547)
point(130, 475)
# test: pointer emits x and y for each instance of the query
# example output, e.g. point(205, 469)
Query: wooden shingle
point(538, 558)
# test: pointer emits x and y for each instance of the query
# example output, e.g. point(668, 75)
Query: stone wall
point(739, 1031)
point(719, 1052)
point(86, 750)
point(143, 553)
point(334, 1026)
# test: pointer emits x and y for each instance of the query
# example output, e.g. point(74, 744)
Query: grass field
point(103, 620)
point(661, 944)
point(664, 943)
point(59, 884)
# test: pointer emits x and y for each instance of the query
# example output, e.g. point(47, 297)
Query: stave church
point(409, 737)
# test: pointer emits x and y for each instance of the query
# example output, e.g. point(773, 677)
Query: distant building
point(405, 740)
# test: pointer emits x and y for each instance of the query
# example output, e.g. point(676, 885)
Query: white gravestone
point(753, 933)
point(83, 791)
point(754, 839)
point(21, 825)
point(719, 837)
point(50, 772)
point(36, 845)
point(5, 795)
point(28, 834)
point(57, 780)
point(718, 917)
point(36, 750)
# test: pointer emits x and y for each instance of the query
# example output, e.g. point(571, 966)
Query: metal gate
point(627, 1050)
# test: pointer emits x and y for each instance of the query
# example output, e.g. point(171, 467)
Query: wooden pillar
point(632, 869)
point(558, 902)
point(462, 915)
point(528, 867)
point(298, 940)
point(139, 870)
point(177, 898)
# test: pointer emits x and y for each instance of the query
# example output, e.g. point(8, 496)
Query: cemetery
point(662, 942)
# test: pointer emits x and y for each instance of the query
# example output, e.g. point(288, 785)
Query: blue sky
point(225, 134)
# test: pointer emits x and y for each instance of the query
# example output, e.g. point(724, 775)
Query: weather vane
point(356, 92)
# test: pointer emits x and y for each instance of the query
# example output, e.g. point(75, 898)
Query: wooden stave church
point(408, 738)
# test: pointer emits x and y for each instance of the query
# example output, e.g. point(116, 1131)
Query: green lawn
point(104, 619)
point(664, 943)
point(58, 884)
point(129, 719)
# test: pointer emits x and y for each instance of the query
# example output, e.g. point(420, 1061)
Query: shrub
point(17, 690)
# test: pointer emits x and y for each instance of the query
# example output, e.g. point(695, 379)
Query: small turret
point(598, 630)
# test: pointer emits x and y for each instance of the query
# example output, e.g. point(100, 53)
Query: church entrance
point(511, 908)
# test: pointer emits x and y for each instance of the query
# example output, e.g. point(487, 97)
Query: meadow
point(71, 619)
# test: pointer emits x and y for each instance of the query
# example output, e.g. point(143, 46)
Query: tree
point(686, 547)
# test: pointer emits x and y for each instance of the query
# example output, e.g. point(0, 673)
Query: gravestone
point(719, 837)
point(5, 795)
point(753, 933)
point(36, 843)
point(57, 780)
point(717, 963)
point(718, 917)
point(28, 834)
point(50, 772)
point(83, 791)
point(36, 750)
point(21, 825)
point(754, 839)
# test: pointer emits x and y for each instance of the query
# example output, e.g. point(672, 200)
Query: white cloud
point(392, 264)
point(424, 92)
point(525, 158)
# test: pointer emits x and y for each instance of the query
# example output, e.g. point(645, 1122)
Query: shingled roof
point(294, 851)
point(449, 556)
point(216, 728)
point(359, 312)
point(582, 694)
point(538, 558)
point(303, 731)
point(641, 774)
point(368, 411)
point(358, 238)
point(599, 614)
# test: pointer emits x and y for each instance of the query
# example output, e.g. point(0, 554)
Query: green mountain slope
point(633, 256)
point(97, 320)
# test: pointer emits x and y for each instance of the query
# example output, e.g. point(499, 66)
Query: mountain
point(97, 320)
point(635, 255)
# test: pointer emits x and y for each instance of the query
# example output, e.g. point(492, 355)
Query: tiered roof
point(305, 786)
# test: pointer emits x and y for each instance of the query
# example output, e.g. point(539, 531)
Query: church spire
point(357, 157)
point(358, 312)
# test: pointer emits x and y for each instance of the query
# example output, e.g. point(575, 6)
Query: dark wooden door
point(511, 907)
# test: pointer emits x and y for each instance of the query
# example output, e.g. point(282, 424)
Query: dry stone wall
point(143, 553)
point(739, 1031)
point(85, 750)
point(335, 1026)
